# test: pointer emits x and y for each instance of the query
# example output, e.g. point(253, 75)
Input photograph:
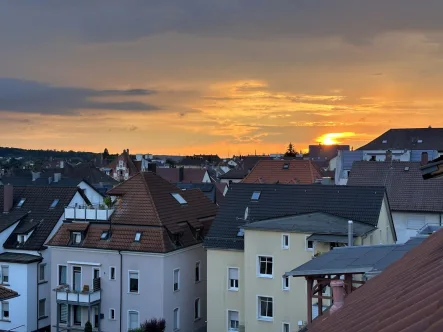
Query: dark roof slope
point(325, 152)
point(12, 257)
point(408, 138)
point(283, 171)
point(406, 188)
point(190, 175)
point(35, 213)
point(407, 296)
point(362, 204)
point(234, 174)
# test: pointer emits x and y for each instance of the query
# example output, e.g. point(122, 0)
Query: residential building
point(406, 296)
point(143, 260)
point(263, 230)
point(414, 201)
point(184, 175)
point(244, 165)
point(284, 171)
point(233, 176)
point(122, 167)
point(31, 215)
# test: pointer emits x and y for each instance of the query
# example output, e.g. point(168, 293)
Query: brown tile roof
point(274, 171)
point(129, 163)
point(145, 204)
point(407, 296)
point(6, 293)
point(190, 175)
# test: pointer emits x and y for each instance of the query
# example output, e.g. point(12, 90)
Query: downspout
point(37, 274)
point(121, 289)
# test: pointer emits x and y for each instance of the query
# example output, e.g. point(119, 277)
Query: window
point(233, 278)
point(62, 273)
point(179, 198)
point(309, 244)
point(385, 141)
point(5, 274)
point(41, 272)
point(20, 238)
point(286, 327)
point(137, 236)
point(76, 278)
point(285, 285)
point(233, 321)
point(63, 312)
point(285, 166)
point(176, 280)
point(42, 308)
point(104, 235)
point(5, 310)
point(77, 314)
point(22, 201)
point(285, 241)
point(112, 273)
point(265, 266)
point(54, 203)
point(76, 237)
point(176, 325)
point(197, 309)
point(420, 141)
point(265, 308)
point(133, 321)
point(133, 282)
point(197, 272)
point(255, 195)
point(112, 314)
point(95, 273)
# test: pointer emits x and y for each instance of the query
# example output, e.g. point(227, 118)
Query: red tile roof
point(407, 296)
point(128, 161)
point(274, 171)
point(6, 293)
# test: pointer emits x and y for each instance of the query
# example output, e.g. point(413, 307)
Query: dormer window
point(177, 239)
point(22, 201)
point(21, 238)
point(285, 166)
point(137, 237)
point(420, 141)
point(76, 237)
point(54, 203)
point(179, 198)
point(255, 195)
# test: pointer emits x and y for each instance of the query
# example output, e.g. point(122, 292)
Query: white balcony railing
point(88, 213)
point(82, 298)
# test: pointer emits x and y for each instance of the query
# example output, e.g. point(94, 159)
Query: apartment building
point(264, 230)
point(142, 260)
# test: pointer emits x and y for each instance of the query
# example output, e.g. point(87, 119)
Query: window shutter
point(233, 274)
point(234, 315)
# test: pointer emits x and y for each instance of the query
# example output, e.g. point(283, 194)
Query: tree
point(291, 151)
point(154, 325)
point(106, 154)
point(88, 327)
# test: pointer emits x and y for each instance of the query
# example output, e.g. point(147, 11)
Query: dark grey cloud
point(112, 20)
point(34, 97)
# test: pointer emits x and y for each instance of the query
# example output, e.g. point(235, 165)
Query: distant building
point(122, 167)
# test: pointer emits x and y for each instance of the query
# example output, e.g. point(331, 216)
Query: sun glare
point(333, 138)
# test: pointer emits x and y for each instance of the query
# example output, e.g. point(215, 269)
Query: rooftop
point(185, 175)
point(7, 294)
point(12, 257)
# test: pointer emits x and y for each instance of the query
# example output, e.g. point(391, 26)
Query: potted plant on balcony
point(85, 289)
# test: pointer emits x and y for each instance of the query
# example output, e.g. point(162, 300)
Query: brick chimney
point(8, 196)
point(424, 158)
point(338, 295)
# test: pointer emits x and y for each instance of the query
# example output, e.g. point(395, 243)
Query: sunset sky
point(218, 76)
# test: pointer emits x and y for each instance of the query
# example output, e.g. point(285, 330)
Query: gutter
point(121, 289)
point(37, 275)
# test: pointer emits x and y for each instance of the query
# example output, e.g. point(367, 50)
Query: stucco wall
point(220, 299)
point(401, 223)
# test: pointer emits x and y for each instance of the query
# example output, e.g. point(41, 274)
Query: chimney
point(57, 177)
point(152, 167)
point(181, 174)
point(338, 295)
point(350, 234)
point(35, 175)
point(388, 155)
point(424, 158)
point(8, 197)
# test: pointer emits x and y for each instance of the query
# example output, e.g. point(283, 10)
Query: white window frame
point(44, 272)
point(198, 265)
point(38, 309)
point(283, 286)
point(74, 237)
point(306, 244)
point(138, 317)
point(3, 282)
point(178, 280)
point(269, 276)
point(199, 316)
point(229, 321)
point(265, 318)
point(110, 273)
point(129, 282)
point(58, 274)
point(233, 289)
point(110, 313)
point(81, 276)
point(283, 326)
point(178, 319)
point(283, 245)
point(9, 311)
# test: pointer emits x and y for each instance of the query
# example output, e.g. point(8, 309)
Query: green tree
point(88, 327)
point(290, 152)
point(106, 154)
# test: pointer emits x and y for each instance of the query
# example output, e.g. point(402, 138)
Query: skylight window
point(385, 141)
point(137, 236)
point(179, 198)
point(54, 203)
point(256, 195)
point(22, 201)
point(285, 166)
point(420, 141)
point(104, 235)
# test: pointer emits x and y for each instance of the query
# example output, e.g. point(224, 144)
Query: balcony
point(64, 294)
point(93, 213)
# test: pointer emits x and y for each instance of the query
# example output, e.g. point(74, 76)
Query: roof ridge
point(148, 191)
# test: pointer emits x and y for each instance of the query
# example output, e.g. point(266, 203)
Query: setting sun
point(333, 138)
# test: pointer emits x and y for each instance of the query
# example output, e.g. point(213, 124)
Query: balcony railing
point(86, 297)
point(96, 212)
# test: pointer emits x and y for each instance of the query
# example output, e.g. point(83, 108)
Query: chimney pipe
point(181, 174)
point(424, 158)
point(350, 234)
point(338, 295)
point(8, 197)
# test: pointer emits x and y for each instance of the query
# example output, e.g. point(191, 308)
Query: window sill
point(265, 319)
point(134, 293)
point(5, 320)
point(233, 289)
point(285, 248)
point(42, 282)
point(5, 284)
point(176, 291)
point(286, 289)
point(43, 317)
point(265, 276)
point(197, 319)
point(198, 281)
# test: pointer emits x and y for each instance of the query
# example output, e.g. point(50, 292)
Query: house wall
point(94, 197)
point(44, 288)
point(402, 222)
point(333, 164)
point(219, 298)
point(5, 235)
point(380, 155)
point(206, 178)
